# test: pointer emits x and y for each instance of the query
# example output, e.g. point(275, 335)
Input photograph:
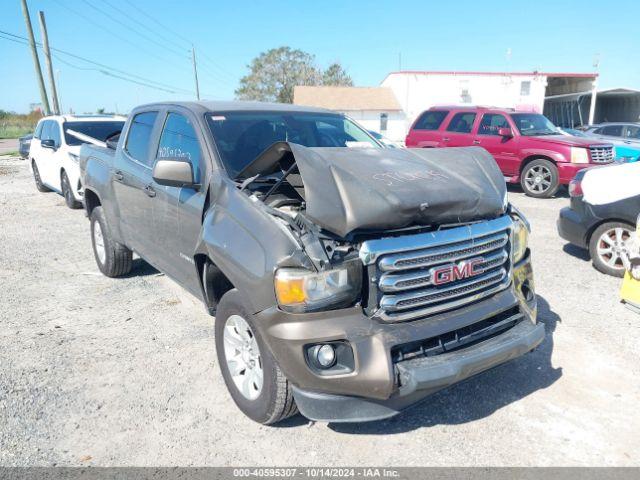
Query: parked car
point(382, 139)
point(624, 136)
point(320, 253)
point(605, 203)
point(23, 145)
point(55, 148)
point(527, 147)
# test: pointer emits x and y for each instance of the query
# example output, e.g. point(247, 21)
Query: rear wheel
point(36, 177)
point(67, 192)
point(113, 258)
point(252, 375)
point(540, 179)
point(607, 245)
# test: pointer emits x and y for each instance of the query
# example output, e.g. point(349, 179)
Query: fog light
point(325, 355)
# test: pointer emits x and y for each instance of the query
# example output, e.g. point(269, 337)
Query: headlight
point(299, 290)
point(75, 158)
point(519, 239)
point(579, 155)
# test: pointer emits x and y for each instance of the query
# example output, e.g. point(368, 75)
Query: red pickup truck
point(527, 146)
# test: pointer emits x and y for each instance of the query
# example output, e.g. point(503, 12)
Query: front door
point(503, 149)
point(177, 211)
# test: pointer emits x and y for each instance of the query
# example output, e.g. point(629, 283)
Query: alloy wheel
point(612, 244)
point(242, 356)
point(98, 241)
point(538, 179)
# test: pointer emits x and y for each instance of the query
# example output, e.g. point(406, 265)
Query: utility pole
point(47, 59)
point(594, 90)
point(195, 71)
point(36, 61)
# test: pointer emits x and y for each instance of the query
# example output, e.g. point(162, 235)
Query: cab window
point(179, 141)
point(491, 123)
point(462, 122)
point(139, 137)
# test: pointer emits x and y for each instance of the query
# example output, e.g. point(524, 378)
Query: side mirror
point(505, 132)
point(48, 143)
point(174, 173)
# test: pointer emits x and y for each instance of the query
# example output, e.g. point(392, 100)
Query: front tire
point(607, 244)
point(254, 379)
point(113, 258)
point(36, 177)
point(540, 179)
point(67, 192)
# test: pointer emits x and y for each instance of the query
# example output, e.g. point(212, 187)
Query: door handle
point(476, 142)
point(149, 191)
point(117, 175)
point(445, 139)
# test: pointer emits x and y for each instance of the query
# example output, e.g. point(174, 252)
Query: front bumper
point(380, 387)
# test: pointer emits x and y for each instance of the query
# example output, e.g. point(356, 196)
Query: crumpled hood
point(349, 189)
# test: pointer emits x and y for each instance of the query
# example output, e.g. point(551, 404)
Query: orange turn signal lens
point(290, 290)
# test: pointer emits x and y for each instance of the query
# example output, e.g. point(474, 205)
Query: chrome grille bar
point(448, 253)
point(393, 303)
point(393, 282)
point(601, 154)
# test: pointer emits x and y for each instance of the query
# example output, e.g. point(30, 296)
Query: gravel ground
point(96, 371)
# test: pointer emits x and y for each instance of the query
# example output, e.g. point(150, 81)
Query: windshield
point(241, 136)
point(98, 130)
point(534, 124)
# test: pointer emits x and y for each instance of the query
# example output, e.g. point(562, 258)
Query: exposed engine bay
point(340, 196)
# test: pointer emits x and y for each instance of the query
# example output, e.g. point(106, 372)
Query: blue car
point(624, 136)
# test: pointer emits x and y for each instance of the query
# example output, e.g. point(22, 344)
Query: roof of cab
point(229, 106)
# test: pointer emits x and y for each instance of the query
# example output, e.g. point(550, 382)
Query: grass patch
point(14, 153)
point(14, 125)
point(12, 131)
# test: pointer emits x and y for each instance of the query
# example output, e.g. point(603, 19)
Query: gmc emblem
point(451, 273)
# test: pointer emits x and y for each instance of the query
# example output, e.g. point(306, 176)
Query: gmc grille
point(400, 269)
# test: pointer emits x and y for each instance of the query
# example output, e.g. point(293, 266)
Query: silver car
point(624, 136)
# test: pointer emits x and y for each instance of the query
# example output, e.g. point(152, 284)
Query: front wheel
point(607, 245)
point(540, 179)
point(67, 192)
point(113, 258)
point(252, 375)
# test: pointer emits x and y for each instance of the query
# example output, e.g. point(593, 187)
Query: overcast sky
point(366, 36)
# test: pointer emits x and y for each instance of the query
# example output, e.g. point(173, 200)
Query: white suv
point(54, 151)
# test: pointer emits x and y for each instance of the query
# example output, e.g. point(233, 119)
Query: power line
point(158, 85)
point(111, 32)
point(149, 29)
point(146, 37)
point(202, 55)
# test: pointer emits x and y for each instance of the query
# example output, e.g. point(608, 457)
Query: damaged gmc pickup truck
point(348, 280)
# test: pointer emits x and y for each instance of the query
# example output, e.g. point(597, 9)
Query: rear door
point(503, 149)
point(132, 183)
point(425, 131)
point(458, 130)
point(177, 211)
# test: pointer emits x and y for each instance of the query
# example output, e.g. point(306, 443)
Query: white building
point(419, 90)
point(375, 108)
